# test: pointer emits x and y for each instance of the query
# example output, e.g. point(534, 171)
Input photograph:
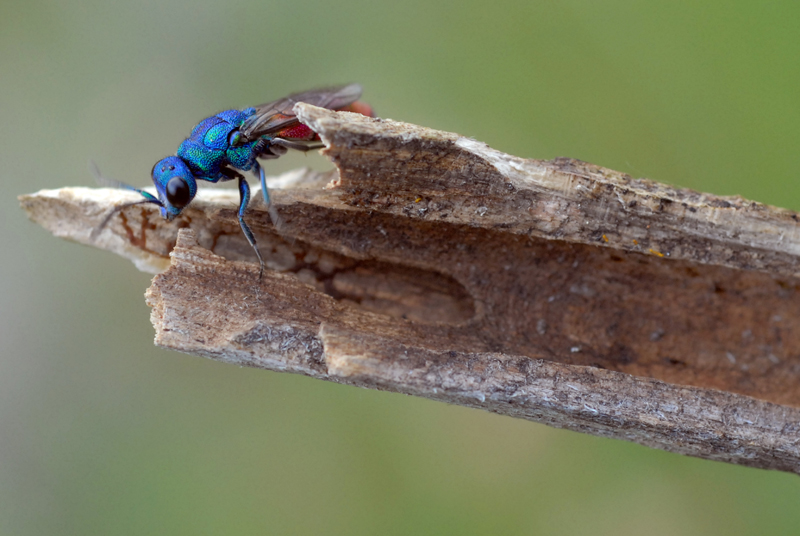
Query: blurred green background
point(101, 433)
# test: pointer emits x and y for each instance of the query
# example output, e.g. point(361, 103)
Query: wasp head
point(175, 185)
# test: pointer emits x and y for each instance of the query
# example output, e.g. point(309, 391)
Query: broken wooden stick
point(433, 265)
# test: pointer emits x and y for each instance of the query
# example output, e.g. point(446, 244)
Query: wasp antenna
point(111, 183)
point(107, 182)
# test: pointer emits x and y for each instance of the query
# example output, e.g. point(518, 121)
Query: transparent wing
point(278, 115)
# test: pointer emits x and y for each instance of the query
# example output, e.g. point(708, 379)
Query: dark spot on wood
point(675, 362)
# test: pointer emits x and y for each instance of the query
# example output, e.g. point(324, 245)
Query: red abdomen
point(303, 133)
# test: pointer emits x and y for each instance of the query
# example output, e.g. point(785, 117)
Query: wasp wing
point(272, 117)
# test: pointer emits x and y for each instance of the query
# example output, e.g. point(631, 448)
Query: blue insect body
point(211, 151)
point(233, 140)
point(217, 141)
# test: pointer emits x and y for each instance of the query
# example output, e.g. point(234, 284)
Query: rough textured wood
point(557, 291)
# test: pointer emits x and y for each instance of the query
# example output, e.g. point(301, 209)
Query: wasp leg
point(262, 178)
point(244, 198)
point(296, 145)
point(277, 150)
point(273, 212)
point(263, 149)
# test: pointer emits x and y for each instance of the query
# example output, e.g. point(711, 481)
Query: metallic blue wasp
point(232, 140)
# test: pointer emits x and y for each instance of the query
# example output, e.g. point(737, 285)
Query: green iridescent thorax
point(212, 145)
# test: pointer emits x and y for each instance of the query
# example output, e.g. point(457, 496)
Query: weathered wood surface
point(559, 291)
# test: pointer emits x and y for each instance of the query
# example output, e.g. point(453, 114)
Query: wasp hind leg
point(273, 212)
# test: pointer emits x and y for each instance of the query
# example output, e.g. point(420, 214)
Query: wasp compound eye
point(178, 194)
